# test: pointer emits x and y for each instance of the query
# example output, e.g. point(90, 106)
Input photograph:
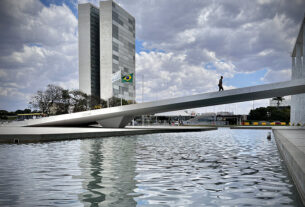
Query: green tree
point(79, 101)
point(3, 114)
point(39, 101)
point(114, 101)
point(63, 103)
point(96, 102)
point(278, 99)
point(270, 113)
point(54, 100)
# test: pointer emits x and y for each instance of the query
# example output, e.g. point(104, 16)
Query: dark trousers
point(220, 88)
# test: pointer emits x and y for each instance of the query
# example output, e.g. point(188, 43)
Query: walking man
point(220, 84)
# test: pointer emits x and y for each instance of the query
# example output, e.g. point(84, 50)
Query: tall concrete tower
point(89, 49)
point(106, 47)
point(298, 71)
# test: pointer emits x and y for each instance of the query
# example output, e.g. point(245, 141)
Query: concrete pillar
point(106, 49)
point(297, 115)
point(293, 70)
point(298, 63)
point(303, 50)
point(298, 75)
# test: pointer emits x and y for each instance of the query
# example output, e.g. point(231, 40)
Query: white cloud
point(265, 52)
point(43, 50)
point(168, 75)
point(264, 1)
point(277, 76)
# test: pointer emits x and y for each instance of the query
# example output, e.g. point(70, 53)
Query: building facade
point(297, 116)
point(106, 46)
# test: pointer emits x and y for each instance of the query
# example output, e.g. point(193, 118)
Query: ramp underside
point(122, 115)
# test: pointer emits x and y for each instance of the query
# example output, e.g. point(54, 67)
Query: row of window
point(115, 17)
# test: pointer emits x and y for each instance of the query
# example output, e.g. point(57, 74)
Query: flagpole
point(121, 95)
point(142, 97)
point(121, 89)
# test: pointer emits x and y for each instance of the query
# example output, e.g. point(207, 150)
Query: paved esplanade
point(118, 117)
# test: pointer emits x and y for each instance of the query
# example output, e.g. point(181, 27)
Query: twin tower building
point(106, 49)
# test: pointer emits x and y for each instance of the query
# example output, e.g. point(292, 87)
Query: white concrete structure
point(88, 49)
point(106, 45)
point(122, 115)
point(298, 72)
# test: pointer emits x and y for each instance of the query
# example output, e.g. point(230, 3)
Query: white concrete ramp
point(120, 116)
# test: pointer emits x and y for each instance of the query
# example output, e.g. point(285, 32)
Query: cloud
point(225, 37)
point(38, 46)
point(199, 40)
point(168, 75)
point(277, 76)
point(236, 31)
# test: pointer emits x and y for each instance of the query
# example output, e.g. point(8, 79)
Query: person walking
point(220, 84)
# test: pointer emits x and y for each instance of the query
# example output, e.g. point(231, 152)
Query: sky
point(182, 47)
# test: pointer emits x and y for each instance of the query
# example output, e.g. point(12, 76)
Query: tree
point(114, 101)
point(278, 99)
point(39, 101)
point(79, 101)
point(54, 100)
point(131, 102)
point(3, 114)
point(25, 111)
point(270, 113)
point(63, 103)
point(96, 103)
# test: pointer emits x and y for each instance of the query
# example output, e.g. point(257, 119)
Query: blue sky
point(181, 50)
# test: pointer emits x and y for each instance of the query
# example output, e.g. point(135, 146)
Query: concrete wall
point(290, 142)
point(84, 48)
point(106, 49)
point(298, 72)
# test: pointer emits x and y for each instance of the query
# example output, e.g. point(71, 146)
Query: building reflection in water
point(108, 171)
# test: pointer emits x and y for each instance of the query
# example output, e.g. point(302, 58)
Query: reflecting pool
point(213, 168)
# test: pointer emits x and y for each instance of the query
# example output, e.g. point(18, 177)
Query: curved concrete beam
point(119, 116)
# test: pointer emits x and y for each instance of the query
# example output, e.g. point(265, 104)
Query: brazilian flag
point(127, 78)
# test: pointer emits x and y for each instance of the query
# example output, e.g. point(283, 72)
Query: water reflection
point(39, 174)
point(108, 171)
point(219, 168)
point(91, 167)
point(216, 168)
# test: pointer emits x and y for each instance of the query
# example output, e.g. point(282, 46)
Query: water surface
point(215, 168)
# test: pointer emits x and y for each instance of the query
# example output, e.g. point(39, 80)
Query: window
point(115, 46)
point(115, 31)
point(116, 18)
point(115, 57)
point(130, 45)
point(130, 21)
